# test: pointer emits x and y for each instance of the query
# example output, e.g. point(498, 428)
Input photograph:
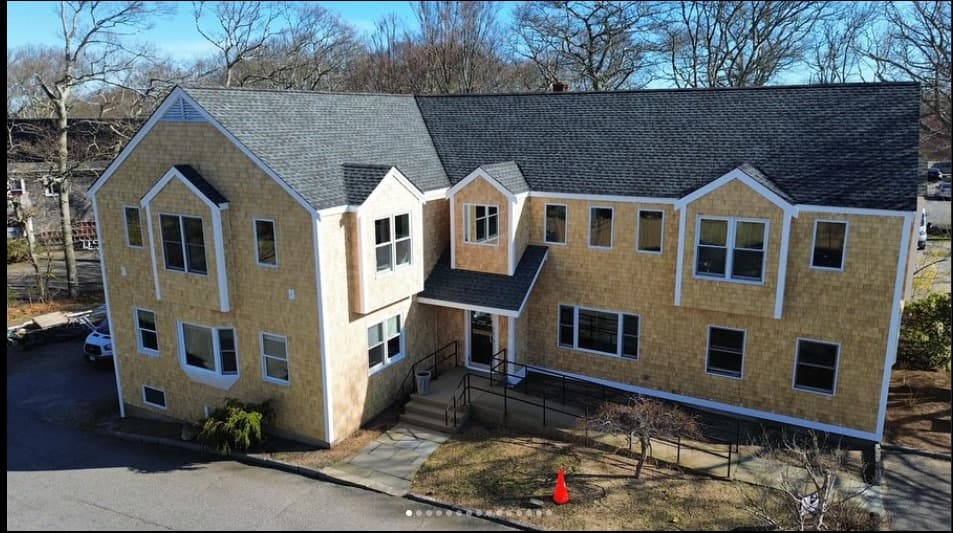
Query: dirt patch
point(918, 410)
point(499, 469)
point(20, 312)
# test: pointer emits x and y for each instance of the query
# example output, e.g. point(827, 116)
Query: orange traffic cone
point(561, 494)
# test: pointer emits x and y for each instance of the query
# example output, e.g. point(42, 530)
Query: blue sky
point(36, 23)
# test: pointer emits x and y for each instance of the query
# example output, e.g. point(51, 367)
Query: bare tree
point(26, 65)
point(837, 55)
point(915, 45)
point(93, 52)
point(238, 30)
point(807, 494)
point(596, 46)
point(738, 43)
point(643, 419)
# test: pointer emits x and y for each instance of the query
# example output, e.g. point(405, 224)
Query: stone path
point(389, 463)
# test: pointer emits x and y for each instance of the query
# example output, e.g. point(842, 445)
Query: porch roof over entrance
point(482, 291)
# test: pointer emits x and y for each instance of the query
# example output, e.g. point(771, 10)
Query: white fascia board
point(109, 309)
point(807, 208)
point(478, 308)
point(740, 175)
point(394, 174)
point(337, 210)
point(436, 194)
point(602, 198)
point(477, 174)
point(893, 335)
point(718, 406)
point(324, 331)
point(173, 173)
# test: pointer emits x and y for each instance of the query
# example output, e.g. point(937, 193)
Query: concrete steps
point(432, 413)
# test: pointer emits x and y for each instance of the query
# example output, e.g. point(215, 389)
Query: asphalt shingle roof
point(307, 137)
point(203, 186)
point(850, 145)
point(496, 291)
point(509, 175)
point(361, 180)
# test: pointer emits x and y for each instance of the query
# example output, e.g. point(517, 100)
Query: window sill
point(827, 269)
point(548, 243)
point(266, 265)
point(493, 244)
point(209, 378)
point(603, 248)
point(149, 353)
point(385, 365)
point(276, 381)
point(648, 252)
point(703, 277)
point(724, 375)
point(203, 274)
point(815, 391)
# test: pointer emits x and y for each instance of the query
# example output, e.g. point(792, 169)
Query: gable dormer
point(485, 221)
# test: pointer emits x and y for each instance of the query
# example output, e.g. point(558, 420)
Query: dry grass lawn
point(918, 410)
point(498, 469)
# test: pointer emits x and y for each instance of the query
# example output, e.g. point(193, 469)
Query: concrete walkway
point(917, 494)
point(389, 463)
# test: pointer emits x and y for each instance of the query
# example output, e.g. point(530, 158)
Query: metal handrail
point(413, 368)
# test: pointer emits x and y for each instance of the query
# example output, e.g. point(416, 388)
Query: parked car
point(922, 235)
point(944, 191)
point(99, 344)
point(939, 171)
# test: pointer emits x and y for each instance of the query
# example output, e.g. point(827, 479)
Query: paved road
point(917, 495)
point(61, 477)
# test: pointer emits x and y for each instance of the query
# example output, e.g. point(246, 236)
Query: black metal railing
point(430, 362)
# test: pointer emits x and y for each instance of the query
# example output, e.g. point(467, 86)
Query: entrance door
point(481, 340)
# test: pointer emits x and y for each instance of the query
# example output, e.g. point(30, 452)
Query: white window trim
point(546, 222)
point(185, 255)
point(48, 190)
point(797, 357)
point(214, 378)
point(165, 397)
point(388, 359)
point(843, 259)
point(125, 219)
point(744, 351)
point(730, 246)
point(619, 332)
point(495, 241)
point(274, 235)
point(611, 228)
point(394, 267)
point(22, 187)
point(135, 317)
point(638, 234)
point(264, 367)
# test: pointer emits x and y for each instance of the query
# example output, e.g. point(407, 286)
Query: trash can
point(423, 382)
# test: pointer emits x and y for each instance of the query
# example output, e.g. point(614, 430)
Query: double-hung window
point(730, 248)
point(830, 240)
point(274, 358)
point(482, 224)
point(816, 366)
point(133, 227)
point(147, 336)
point(183, 243)
point(266, 252)
point(649, 238)
point(604, 332)
point(209, 349)
point(392, 243)
point(384, 343)
point(726, 351)
point(555, 224)
point(600, 227)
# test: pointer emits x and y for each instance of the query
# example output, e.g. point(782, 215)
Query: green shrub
point(18, 251)
point(236, 426)
point(925, 334)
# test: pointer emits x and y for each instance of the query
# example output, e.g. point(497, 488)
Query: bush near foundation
point(925, 334)
point(236, 426)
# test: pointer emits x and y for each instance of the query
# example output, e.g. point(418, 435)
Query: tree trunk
point(41, 280)
point(72, 279)
point(643, 456)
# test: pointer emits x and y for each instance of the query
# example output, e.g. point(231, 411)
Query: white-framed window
point(384, 343)
point(597, 331)
point(555, 224)
point(649, 231)
point(183, 243)
point(731, 249)
point(147, 334)
point(133, 226)
point(481, 224)
point(726, 352)
point(393, 246)
point(51, 189)
point(153, 396)
point(600, 227)
point(830, 244)
point(266, 248)
point(17, 185)
point(274, 358)
point(815, 366)
point(211, 350)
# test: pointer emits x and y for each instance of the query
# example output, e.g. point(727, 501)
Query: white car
point(99, 344)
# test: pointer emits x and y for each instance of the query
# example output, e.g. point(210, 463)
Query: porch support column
point(511, 350)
